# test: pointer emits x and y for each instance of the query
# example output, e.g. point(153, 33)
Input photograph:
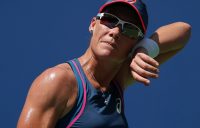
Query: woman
point(87, 92)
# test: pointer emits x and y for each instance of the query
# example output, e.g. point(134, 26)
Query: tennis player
point(87, 92)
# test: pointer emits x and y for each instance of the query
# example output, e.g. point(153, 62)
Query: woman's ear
point(92, 24)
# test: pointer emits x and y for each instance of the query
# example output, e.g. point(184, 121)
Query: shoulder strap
point(81, 103)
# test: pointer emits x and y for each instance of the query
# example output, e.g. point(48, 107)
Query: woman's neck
point(99, 72)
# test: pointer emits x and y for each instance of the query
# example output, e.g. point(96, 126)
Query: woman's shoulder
point(58, 85)
point(57, 80)
point(62, 77)
point(60, 74)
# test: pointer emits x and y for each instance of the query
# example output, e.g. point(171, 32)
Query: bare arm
point(47, 100)
point(170, 38)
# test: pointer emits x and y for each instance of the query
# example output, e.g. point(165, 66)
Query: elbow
point(186, 28)
point(185, 33)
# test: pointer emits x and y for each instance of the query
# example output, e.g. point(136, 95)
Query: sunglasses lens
point(109, 20)
point(130, 31)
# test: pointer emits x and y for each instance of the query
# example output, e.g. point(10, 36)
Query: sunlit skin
point(53, 93)
point(108, 49)
point(29, 113)
point(171, 39)
point(110, 42)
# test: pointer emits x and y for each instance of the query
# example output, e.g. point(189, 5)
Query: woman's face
point(110, 43)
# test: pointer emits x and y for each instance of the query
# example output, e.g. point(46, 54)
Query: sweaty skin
point(171, 39)
point(53, 93)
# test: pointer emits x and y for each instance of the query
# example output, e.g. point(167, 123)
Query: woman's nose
point(115, 32)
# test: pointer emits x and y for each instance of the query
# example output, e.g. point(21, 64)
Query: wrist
point(141, 50)
point(149, 46)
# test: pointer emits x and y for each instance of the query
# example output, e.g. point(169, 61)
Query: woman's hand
point(171, 39)
point(143, 67)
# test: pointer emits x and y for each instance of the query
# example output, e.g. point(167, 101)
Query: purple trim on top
point(84, 97)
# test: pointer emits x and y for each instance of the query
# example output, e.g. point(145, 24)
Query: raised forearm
point(171, 39)
point(172, 36)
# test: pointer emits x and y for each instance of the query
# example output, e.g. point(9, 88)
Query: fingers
point(147, 72)
point(144, 67)
point(141, 79)
point(147, 59)
point(148, 64)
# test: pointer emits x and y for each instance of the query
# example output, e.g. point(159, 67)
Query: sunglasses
point(128, 29)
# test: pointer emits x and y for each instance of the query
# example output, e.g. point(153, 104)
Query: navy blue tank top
point(93, 108)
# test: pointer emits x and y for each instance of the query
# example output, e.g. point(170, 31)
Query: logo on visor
point(129, 1)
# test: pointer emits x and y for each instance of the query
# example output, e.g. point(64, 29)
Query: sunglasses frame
point(122, 22)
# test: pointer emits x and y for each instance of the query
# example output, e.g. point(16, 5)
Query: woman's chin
point(109, 55)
